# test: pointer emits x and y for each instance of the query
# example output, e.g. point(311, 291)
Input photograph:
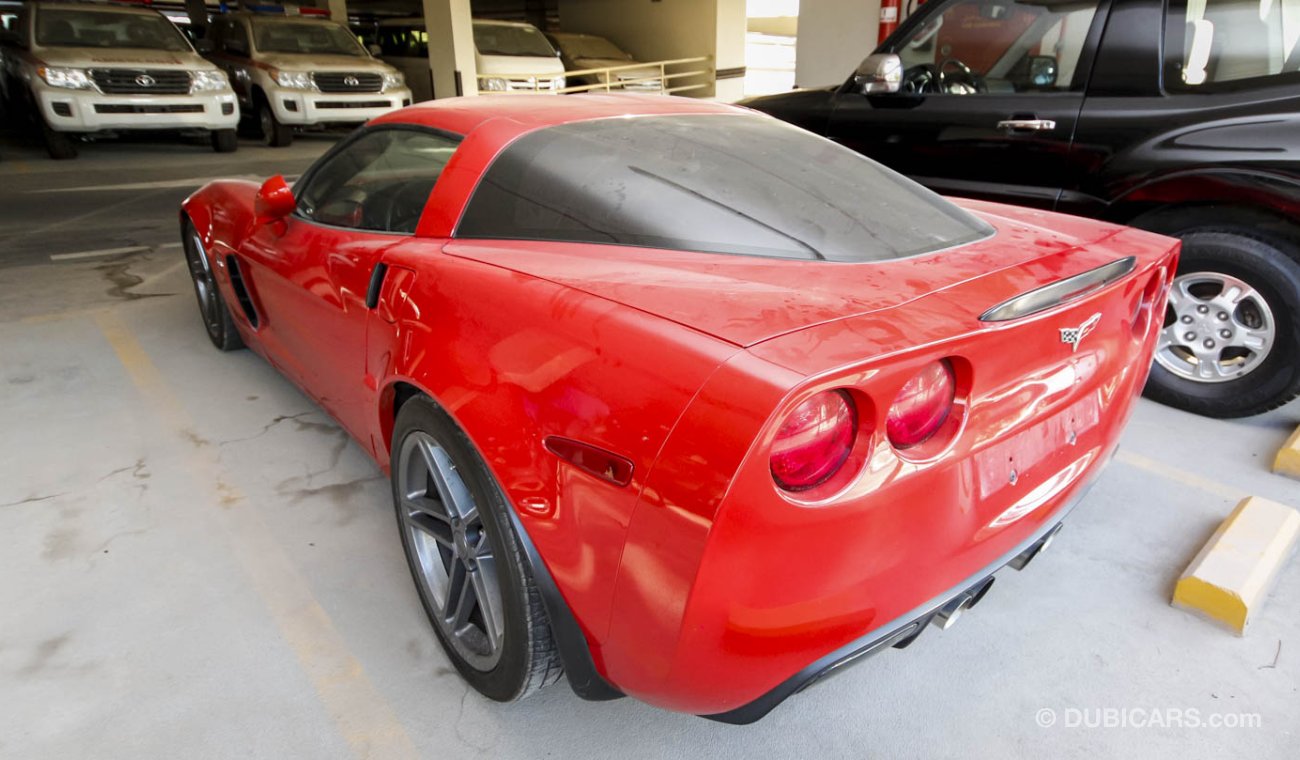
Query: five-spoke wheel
point(457, 569)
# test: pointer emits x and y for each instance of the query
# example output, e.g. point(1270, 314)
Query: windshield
point(307, 37)
point(495, 39)
point(736, 184)
point(591, 47)
point(101, 29)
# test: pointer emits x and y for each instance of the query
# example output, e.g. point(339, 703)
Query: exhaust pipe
point(947, 615)
point(1029, 554)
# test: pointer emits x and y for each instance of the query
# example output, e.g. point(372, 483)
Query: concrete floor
point(195, 562)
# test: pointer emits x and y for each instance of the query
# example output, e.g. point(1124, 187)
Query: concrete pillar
point(729, 49)
point(834, 37)
point(451, 47)
point(338, 10)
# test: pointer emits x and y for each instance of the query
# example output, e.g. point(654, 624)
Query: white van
point(515, 57)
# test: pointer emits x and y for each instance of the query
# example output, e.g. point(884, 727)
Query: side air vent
point(241, 290)
point(1060, 292)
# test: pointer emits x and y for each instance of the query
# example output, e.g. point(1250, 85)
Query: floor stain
point(34, 499)
point(45, 651)
point(118, 273)
point(341, 495)
point(194, 438)
point(227, 495)
point(60, 544)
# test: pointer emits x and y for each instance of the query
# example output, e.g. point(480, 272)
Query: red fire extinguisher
point(889, 15)
point(888, 18)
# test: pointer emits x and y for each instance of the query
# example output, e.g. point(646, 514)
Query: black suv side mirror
point(878, 73)
point(204, 46)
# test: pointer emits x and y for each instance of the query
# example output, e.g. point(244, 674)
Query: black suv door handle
point(1027, 125)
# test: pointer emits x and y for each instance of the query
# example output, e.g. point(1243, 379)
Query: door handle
point(1027, 125)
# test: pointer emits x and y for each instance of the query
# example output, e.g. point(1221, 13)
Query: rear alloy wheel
point(224, 140)
point(274, 134)
point(465, 558)
point(212, 306)
point(1231, 329)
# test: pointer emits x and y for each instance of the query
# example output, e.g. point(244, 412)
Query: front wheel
point(58, 144)
point(274, 134)
point(224, 140)
point(466, 561)
point(1232, 327)
point(212, 306)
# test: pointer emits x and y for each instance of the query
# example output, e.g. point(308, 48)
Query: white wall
point(834, 37)
point(657, 31)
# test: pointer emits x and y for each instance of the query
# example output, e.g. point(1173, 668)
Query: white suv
point(86, 68)
point(299, 71)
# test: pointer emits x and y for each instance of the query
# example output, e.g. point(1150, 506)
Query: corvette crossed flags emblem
point(1073, 336)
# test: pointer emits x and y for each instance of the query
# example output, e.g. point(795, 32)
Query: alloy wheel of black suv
point(1176, 117)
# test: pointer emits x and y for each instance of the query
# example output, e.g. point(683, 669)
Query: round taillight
point(814, 441)
point(922, 406)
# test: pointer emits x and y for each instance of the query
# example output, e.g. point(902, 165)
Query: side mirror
point(1042, 71)
point(274, 201)
point(204, 46)
point(375, 50)
point(879, 73)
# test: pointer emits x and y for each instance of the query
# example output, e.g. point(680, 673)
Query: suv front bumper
point(89, 111)
point(300, 108)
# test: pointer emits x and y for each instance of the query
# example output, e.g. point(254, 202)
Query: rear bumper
point(905, 629)
point(86, 111)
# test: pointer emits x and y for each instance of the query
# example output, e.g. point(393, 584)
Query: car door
point(230, 52)
point(1222, 102)
point(992, 90)
point(317, 272)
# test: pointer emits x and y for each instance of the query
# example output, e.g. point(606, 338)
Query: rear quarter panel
point(515, 359)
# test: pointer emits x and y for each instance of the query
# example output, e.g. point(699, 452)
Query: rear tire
point(217, 321)
point(224, 140)
point(449, 508)
point(274, 134)
point(1248, 348)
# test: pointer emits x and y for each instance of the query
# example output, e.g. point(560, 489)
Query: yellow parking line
point(1175, 474)
point(363, 717)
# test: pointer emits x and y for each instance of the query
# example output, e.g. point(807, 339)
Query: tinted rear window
point(737, 184)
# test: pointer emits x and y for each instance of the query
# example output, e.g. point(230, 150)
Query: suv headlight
point(73, 79)
point(557, 83)
point(206, 81)
point(297, 80)
point(495, 84)
point(393, 80)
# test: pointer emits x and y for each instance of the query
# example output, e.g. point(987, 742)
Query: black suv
point(1174, 116)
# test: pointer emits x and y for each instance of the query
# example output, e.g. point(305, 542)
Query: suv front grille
point(343, 81)
point(141, 81)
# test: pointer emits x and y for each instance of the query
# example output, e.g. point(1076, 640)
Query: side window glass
point(235, 39)
point(1219, 42)
point(381, 181)
point(998, 46)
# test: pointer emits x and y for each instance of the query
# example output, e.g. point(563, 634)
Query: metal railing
point(662, 80)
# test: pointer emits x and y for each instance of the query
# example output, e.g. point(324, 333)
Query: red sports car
point(678, 400)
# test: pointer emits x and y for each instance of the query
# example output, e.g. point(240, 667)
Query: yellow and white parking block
point(1287, 461)
point(1233, 572)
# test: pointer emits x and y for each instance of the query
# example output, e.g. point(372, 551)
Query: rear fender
point(513, 360)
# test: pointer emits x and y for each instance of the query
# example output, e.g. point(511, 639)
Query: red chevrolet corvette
point(678, 400)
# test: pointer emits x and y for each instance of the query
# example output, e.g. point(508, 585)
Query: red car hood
point(746, 300)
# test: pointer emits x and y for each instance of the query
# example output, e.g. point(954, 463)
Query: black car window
point(739, 184)
point(997, 46)
point(379, 181)
point(1216, 44)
